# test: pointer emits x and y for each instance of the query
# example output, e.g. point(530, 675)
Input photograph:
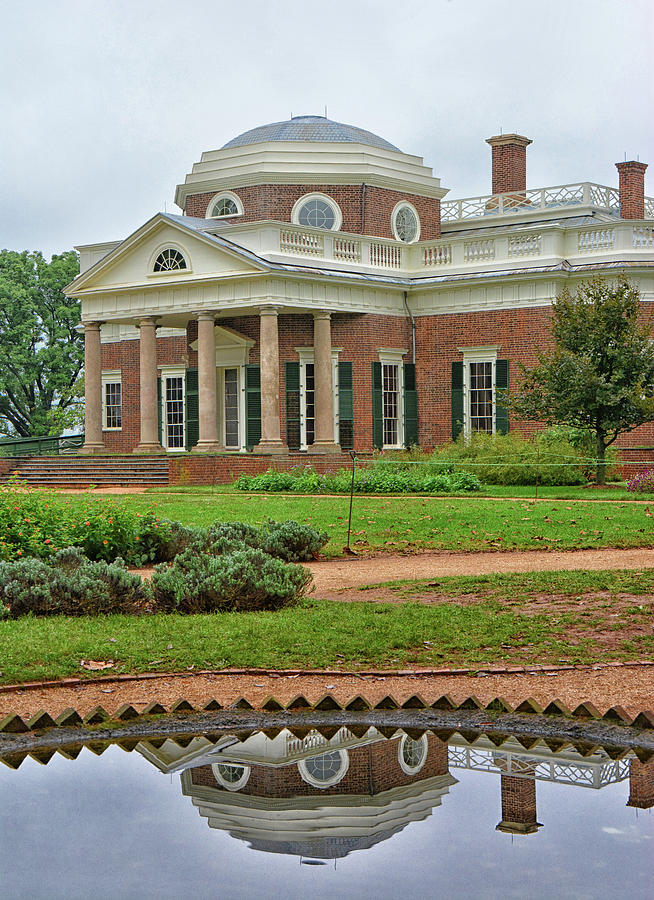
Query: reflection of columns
point(324, 393)
point(92, 389)
point(271, 441)
point(518, 805)
point(208, 410)
point(149, 440)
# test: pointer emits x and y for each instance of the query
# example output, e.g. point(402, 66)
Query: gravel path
point(338, 574)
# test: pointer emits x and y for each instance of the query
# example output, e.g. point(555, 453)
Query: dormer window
point(317, 211)
point(169, 260)
point(405, 222)
point(225, 206)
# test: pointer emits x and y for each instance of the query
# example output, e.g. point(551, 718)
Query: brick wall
point(365, 211)
point(372, 769)
point(509, 163)
point(518, 804)
point(641, 784)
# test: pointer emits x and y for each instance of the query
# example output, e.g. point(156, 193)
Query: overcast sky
point(106, 104)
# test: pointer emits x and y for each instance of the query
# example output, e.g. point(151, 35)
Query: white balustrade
point(565, 195)
point(347, 250)
point(596, 240)
point(385, 256)
point(305, 243)
point(643, 237)
point(437, 255)
point(525, 245)
point(478, 251)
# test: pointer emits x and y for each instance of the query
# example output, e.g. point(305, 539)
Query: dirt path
point(338, 574)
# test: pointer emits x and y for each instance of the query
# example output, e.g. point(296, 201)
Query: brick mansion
point(320, 293)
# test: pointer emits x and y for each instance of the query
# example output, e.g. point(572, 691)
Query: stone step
point(80, 471)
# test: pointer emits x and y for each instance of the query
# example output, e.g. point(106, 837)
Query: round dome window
point(317, 211)
point(406, 224)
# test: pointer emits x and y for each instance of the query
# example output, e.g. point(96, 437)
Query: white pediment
point(132, 263)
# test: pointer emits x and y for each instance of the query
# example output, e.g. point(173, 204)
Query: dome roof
point(310, 128)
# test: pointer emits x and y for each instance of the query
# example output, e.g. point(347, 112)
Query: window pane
point(174, 412)
point(231, 408)
point(390, 403)
point(310, 404)
point(481, 396)
point(113, 405)
point(317, 213)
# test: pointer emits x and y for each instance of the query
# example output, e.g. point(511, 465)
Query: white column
point(149, 408)
point(324, 391)
point(207, 401)
point(271, 440)
point(92, 389)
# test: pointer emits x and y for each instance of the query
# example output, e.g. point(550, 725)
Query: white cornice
point(304, 162)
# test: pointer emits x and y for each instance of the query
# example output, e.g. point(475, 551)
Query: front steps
point(82, 471)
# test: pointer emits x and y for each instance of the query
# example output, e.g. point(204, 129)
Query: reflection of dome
point(310, 128)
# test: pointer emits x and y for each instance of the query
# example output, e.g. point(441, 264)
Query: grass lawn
point(398, 523)
point(588, 617)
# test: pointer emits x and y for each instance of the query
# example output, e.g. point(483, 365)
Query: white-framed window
point(169, 260)
point(326, 769)
point(231, 776)
point(225, 205)
point(308, 395)
point(405, 223)
point(412, 754)
point(112, 401)
point(317, 211)
point(479, 385)
point(392, 384)
point(173, 408)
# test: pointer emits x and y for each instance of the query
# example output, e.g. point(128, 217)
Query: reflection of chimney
point(641, 784)
point(509, 162)
point(518, 806)
point(632, 189)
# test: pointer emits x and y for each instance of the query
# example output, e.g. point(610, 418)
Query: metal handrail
point(40, 445)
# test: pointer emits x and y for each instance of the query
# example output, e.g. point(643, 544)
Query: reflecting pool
point(278, 814)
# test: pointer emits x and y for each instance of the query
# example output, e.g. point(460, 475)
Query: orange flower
point(105, 542)
point(47, 541)
point(87, 523)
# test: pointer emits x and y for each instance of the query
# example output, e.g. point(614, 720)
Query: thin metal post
point(349, 521)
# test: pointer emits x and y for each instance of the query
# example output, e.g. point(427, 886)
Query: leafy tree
point(41, 353)
point(599, 375)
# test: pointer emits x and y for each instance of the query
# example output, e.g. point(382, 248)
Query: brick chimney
point(509, 162)
point(641, 784)
point(518, 806)
point(632, 189)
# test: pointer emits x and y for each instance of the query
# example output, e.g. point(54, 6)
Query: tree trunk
point(600, 470)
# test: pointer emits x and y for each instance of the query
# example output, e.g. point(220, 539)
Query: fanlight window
point(405, 224)
point(224, 206)
point(317, 213)
point(169, 260)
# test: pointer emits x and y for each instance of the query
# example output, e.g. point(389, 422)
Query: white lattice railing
point(649, 207)
point(347, 250)
point(583, 194)
point(525, 245)
point(597, 240)
point(437, 255)
point(643, 237)
point(385, 256)
point(315, 741)
point(477, 251)
point(302, 242)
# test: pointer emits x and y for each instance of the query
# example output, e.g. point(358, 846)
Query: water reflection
point(350, 811)
point(324, 797)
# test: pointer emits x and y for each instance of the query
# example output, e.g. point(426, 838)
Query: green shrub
point(291, 541)
point(243, 580)
point(386, 475)
point(39, 523)
point(69, 584)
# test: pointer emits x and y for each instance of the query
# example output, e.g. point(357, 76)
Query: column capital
point(268, 310)
point(321, 314)
point(93, 325)
point(205, 316)
point(147, 320)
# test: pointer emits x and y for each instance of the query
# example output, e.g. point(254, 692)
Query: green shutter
point(160, 412)
point(377, 411)
point(292, 383)
point(501, 385)
point(345, 406)
point(457, 399)
point(192, 409)
point(252, 406)
point(410, 406)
